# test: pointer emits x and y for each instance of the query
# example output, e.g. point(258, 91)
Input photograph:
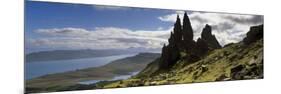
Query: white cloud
point(99, 38)
point(104, 7)
point(227, 27)
point(170, 17)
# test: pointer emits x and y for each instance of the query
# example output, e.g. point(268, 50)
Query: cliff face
point(209, 38)
point(255, 33)
point(182, 45)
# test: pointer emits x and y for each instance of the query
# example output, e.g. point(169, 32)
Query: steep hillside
point(233, 62)
point(202, 61)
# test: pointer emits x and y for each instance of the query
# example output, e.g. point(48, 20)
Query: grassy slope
point(216, 66)
point(122, 66)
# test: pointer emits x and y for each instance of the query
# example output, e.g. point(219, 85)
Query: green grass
point(54, 82)
point(216, 64)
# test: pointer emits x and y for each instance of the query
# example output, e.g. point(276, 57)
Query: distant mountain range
point(77, 54)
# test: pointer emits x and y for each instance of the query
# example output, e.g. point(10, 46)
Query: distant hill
point(118, 67)
point(75, 54)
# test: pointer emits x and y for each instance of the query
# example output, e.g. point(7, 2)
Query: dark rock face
point(187, 29)
point(171, 52)
point(210, 39)
point(207, 41)
point(240, 72)
point(181, 41)
point(202, 46)
point(177, 31)
point(255, 33)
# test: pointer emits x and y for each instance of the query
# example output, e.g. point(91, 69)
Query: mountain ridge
point(180, 64)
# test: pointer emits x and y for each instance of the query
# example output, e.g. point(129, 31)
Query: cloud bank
point(227, 28)
point(99, 38)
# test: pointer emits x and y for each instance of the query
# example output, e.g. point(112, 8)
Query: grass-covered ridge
point(233, 62)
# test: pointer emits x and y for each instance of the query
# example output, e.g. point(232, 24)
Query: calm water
point(119, 77)
point(36, 69)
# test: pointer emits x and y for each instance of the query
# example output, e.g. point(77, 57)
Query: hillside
point(54, 82)
point(234, 62)
point(204, 60)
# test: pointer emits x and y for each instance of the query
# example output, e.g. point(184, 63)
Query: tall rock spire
point(181, 41)
point(178, 30)
point(187, 28)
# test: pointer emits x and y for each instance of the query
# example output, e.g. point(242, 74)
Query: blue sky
point(59, 15)
point(61, 26)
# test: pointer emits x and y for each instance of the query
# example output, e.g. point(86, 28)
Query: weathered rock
point(223, 77)
point(187, 29)
point(171, 52)
point(255, 33)
point(181, 40)
point(202, 47)
point(241, 72)
point(170, 55)
point(178, 31)
point(210, 39)
point(237, 72)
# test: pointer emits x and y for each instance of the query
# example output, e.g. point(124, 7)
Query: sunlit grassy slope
point(233, 62)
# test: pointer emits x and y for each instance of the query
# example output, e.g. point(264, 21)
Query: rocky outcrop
point(170, 53)
point(181, 42)
point(236, 61)
point(255, 33)
point(207, 41)
point(187, 29)
point(210, 39)
point(254, 71)
point(202, 47)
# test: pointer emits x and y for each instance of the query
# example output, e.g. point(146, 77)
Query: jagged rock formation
point(210, 39)
point(182, 45)
point(237, 61)
point(255, 33)
point(187, 29)
point(207, 41)
point(254, 68)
